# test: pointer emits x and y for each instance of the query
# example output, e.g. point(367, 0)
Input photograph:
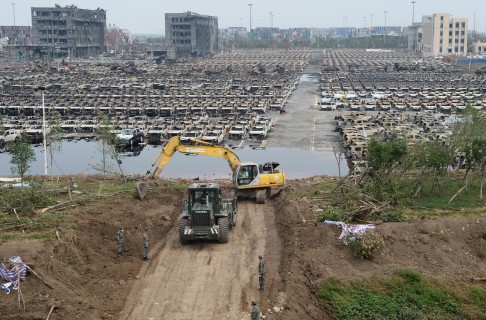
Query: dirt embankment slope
point(217, 281)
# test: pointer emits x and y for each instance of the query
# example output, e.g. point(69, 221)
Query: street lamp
point(250, 4)
point(39, 91)
point(413, 12)
point(384, 34)
point(13, 10)
point(414, 45)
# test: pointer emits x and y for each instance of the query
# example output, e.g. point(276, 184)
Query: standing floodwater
point(83, 157)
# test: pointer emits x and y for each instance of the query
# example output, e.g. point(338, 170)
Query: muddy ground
point(217, 281)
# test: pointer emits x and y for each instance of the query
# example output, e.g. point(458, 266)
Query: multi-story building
point(68, 31)
point(444, 35)
point(479, 48)
point(117, 39)
point(17, 35)
point(190, 33)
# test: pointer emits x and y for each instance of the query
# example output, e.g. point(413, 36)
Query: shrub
point(367, 245)
point(333, 214)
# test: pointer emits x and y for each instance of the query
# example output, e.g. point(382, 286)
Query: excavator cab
point(245, 174)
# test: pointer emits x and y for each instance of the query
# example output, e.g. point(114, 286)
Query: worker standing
point(120, 237)
point(261, 273)
point(255, 311)
point(145, 245)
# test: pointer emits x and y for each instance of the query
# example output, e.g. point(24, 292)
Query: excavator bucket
point(142, 188)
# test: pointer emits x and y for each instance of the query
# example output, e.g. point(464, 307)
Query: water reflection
point(84, 157)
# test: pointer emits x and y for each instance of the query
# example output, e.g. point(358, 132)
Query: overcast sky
point(147, 16)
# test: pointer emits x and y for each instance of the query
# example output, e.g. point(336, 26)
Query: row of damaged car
point(357, 128)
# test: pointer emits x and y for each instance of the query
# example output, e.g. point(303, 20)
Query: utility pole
point(250, 4)
point(13, 10)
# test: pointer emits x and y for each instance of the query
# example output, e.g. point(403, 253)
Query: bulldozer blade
point(142, 188)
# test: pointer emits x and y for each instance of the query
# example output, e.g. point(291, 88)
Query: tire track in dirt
point(203, 280)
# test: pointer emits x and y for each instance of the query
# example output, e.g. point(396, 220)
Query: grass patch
point(468, 198)
point(179, 186)
point(405, 295)
point(314, 190)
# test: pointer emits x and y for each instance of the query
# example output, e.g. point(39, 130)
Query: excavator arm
point(200, 147)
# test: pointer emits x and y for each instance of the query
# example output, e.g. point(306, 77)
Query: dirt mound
point(90, 280)
point(448, 248)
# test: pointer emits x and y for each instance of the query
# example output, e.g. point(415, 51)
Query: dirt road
point(204, 280)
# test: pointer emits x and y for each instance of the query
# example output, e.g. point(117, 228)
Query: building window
point(450, 25)
point(457, 25)
point(450, 33)
point(442, 18)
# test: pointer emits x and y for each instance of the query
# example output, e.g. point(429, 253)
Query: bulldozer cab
point(201, 198)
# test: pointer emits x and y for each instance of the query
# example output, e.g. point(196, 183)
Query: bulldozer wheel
point(223, 230)
point(182, 227)
point(261, 196)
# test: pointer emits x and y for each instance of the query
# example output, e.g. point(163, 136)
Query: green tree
point(108, 147)
point(54, 138)
point(478, 152)
point(22, 156)
point(466, 136)
point(386, 159)
point(432, 159)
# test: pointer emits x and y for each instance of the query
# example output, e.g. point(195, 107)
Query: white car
point(378, 95)
point(351, 95)
point(328, 106)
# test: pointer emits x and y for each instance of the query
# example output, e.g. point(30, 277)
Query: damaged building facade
point(68, 31)
point(190, 34)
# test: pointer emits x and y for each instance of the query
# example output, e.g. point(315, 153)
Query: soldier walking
point(255, 311)
point(261, 273)
point(145, 245)
point(120, 237)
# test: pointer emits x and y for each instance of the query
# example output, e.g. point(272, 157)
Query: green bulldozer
point(206, 215)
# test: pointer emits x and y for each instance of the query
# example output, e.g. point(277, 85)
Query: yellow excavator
point(250, 179)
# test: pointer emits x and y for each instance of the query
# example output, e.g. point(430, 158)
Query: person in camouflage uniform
point(145, 245)
point(261, 273)
point(255, 311)
point(120, 238)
